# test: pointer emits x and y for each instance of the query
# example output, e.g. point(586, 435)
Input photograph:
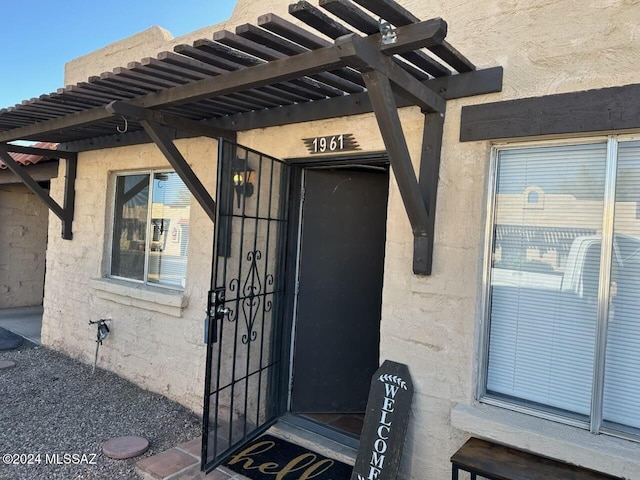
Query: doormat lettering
point(271, 458)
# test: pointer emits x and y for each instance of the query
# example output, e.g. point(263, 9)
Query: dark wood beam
point(69, 201)
point(64, 213)
point(137, 137)
point(351, 14)
point(247, 78)
point(256, 76)
point(413, 37)
point(455, 86)
point(324, 59)
point(398, 15)
point(451, 87)
point(174, 121)
point(172, 154)
point(40, 172)
point(33, 130)
point(360, 54)
point(386, 111)
point(43, 152)
point(291, 31)
point(428, 182)
point(315, 18)
point(390, 11)
point(590, 111)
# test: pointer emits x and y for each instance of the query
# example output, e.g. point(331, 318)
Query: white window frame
point(595, 423)
point(149, 233)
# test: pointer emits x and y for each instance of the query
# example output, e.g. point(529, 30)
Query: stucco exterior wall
point(157, 334)
point(23, 243)
point(430, 323)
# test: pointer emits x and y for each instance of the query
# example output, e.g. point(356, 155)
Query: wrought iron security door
point(245, 301)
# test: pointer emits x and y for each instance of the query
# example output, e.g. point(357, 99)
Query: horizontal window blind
point(544, 275)
point(622, 364)
point(170, 210)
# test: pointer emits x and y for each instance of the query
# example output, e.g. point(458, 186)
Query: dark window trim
point(591, 111)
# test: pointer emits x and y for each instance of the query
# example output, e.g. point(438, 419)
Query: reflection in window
point(622, 375)
point(543, 327)
point(151, 228)
point(546, 298)
point(553, 291)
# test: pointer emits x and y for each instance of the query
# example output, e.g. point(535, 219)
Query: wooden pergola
point(268, 74)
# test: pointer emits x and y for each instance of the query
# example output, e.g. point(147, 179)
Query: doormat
point(269, 457)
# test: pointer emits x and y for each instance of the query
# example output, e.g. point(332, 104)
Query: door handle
point(216, 311)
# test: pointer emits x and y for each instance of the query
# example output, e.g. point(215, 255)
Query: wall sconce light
point(242, 175)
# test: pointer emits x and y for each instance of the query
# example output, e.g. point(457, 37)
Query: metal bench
point(495, 462)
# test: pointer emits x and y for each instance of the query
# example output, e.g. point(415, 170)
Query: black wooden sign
point(385, 423)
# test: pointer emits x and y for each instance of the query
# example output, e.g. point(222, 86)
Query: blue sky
point(38, 36)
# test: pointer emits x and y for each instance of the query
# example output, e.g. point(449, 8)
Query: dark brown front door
point(341, 261)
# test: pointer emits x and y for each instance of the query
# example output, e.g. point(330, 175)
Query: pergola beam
point(170, 151)
point(428, 184)
point(451, 87)
point(479, 82)
point(386, 112)
point(64, 213)
point(379, 73)
point(43, 152)
point(429, 32)
point(174, 121)
point(360, 54)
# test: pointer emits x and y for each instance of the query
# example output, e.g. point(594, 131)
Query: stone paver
point(193, 447)
point(125, 447)
point(167, 463)
point(194, 473)
point(183, 463)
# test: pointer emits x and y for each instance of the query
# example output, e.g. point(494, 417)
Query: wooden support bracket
point(428, 184)
point(419, 198)
point(66, 211)
point(360, 54)
point(386, 112)
point(172, 154)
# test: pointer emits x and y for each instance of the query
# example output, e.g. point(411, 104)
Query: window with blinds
point(151, 228)
point(553, 292)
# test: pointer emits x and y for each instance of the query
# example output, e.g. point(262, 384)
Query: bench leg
point(473, 476)
point(454, 472)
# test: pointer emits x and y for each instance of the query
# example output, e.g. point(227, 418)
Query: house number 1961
point(322, 144)
point(331, 143)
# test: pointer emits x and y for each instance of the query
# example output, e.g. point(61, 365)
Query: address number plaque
point(331, 143)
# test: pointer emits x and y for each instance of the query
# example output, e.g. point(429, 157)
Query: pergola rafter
point(276, 73)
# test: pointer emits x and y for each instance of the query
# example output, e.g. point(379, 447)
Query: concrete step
point(313, 441)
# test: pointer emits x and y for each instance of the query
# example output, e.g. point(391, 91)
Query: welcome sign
point(385, 423)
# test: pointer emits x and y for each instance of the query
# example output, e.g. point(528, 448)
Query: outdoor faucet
point(103, 332)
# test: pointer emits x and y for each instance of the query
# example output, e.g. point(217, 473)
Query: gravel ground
point(51, 404)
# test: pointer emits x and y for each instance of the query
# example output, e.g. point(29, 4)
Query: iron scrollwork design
point(252, 292)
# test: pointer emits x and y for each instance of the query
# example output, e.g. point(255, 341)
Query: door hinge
point(302, 194)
